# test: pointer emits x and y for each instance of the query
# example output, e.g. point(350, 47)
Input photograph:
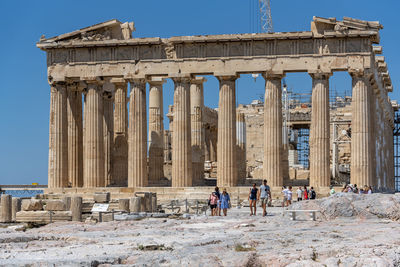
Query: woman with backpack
point(313, 194)
point(213, 201)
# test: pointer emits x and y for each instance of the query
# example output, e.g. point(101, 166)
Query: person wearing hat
point(225, 202)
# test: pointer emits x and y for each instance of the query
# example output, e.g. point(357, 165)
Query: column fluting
point(58, 137)
point(272, 165)
point(361, 169)
point(93, 170)
point(181, 134)
point(198, 131)
point(75, 135)
point(120, 154)
point(156, 131)
point(320, 175)
point(137, 135)
point(226, 147)
point(108, 133)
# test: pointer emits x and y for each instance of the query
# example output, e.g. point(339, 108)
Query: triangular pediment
point(108, 30)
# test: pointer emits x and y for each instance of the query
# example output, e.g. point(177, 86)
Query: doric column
point(320, 175)
point(75, 135)
point(156, 131)
point(167, 147)
point(272, 165)
point(198, 132)
point(120, 155)
point(120, 109)
point(58, 137)
point(108, 133)
point(93, 169)
point(241, 145)
point(361, 172)
point(181, 134)
point(226, 151)
point(137, 141)
point(373, 133)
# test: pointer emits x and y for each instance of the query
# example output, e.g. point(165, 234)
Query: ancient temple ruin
point(98, 143)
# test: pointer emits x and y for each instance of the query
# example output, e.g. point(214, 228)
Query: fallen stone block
point(31, 205)
point(128, 217)
point(159, 215)
point(55, 205)
point(101, 197)
point(43, 216)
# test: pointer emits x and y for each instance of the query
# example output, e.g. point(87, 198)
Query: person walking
point(225, 201)
point(332, 192)
point(253, 199)
point(369, 192)
point(289, 194)
point(299, 194)
point(218, 208)
point(213, 200)
point(305, 193)
point(284, 192)
point(264, 194)
point(313, 195)
point(355, 189)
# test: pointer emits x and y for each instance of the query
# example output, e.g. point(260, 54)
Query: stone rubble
point(384, 206)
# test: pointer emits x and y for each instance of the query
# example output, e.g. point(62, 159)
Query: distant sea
point(23, 193)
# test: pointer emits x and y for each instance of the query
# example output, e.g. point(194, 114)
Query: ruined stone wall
point(299, 115)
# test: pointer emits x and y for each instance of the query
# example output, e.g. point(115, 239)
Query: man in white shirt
point(284, 192)
point(299, 194)
point(264, 193)
point(289, 196)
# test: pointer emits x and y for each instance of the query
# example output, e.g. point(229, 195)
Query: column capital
point(107, 95)
point(93, 80)
point(156, 81)
point(73, 86)
point(273, 75)
point(360, 73)
point(320, 75)
point(198, 80)
point(115, 80)
point(58, 84)
point(137, 81)
point(180, 77)
point(223, 76)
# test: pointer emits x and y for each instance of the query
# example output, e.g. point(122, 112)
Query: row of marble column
point(100, 149)
point(364, 146)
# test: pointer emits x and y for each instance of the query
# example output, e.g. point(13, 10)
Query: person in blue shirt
point(225, 201)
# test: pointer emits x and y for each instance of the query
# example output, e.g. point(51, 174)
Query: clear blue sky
point(24, 102)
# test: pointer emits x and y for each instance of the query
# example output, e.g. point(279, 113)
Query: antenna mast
point(265, 16)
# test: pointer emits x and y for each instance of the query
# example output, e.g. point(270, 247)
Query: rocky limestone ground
point(362, 239)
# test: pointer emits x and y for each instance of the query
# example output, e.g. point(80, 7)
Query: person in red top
point(305, 193)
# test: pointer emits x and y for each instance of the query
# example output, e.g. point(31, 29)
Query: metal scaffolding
point(396, 140)
point(303, 149)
